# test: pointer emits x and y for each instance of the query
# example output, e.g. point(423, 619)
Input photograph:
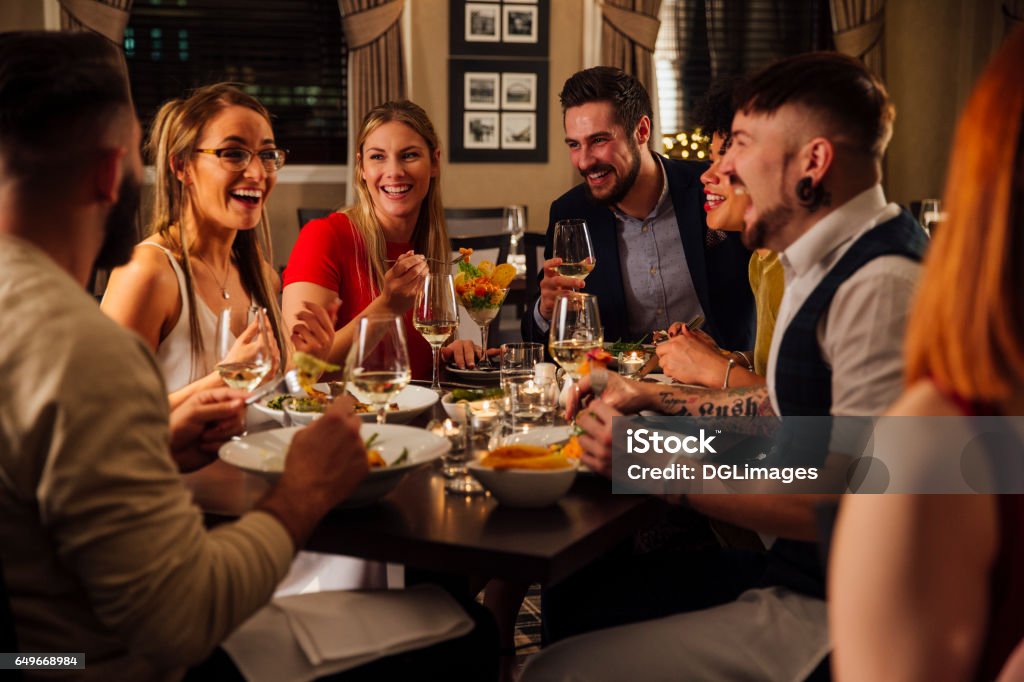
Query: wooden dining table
point(420, 525)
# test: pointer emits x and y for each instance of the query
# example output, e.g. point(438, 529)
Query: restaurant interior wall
point(934, 51)
point(472, 185)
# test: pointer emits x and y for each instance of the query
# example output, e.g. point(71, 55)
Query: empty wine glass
point(575, 331)
point(436, 316)
point(572, 244)
point(378, 363)
point(515, 224)
point(243, 367)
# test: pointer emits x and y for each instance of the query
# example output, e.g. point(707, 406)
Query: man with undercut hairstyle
point(808, 140)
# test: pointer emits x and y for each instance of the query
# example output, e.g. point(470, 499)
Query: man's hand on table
point(201, 424)
point(324, 464)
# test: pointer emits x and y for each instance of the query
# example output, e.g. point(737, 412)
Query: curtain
point(109, 19)
point(1013, 15)
point(105, 17)
point(629, 31)
point(857, 28)
point(376, 72)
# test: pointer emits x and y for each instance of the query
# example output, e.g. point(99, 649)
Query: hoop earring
point(811, 196)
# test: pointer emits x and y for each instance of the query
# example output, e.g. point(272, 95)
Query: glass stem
point(382, 413)
point(435, 382)
point(483, 343)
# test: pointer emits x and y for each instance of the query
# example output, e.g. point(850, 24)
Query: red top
point(1006, 589)
point(331, 253)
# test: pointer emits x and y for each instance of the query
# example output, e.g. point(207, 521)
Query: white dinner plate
point(542, 436)
point(412, 401)
point(264, 454)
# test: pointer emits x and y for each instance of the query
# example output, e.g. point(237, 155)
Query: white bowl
point(264, 454)
point(412, 401)
point(456, 411)
point(529, 488)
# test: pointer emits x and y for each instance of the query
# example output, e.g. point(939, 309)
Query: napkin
point(306, 636)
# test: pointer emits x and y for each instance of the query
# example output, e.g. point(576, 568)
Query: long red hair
point(966, 331)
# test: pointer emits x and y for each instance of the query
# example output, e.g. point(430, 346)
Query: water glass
point(518, 361)
point(531, 403)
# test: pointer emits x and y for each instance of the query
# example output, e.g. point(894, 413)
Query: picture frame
point(507, 28)
point(481, 130)
point(512, 130)
point(483, 90)
point(483, 22)
point(518, 130)
point(519, 91)
point(519, 23)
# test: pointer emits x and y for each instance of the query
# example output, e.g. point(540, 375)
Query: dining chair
point(307, 214)
point(532, 244)
point(474, 222)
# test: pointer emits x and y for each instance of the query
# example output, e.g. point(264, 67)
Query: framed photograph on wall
point(497, 111)
point(499, 28)
point(483, 22)
point(519, 91)
point(482, 90)
point(519, 23)
point(480, 130)
point(518, 130)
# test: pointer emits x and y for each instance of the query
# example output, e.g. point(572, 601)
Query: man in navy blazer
point(656, 263)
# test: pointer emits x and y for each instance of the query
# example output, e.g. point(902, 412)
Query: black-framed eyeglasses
point(238, 158)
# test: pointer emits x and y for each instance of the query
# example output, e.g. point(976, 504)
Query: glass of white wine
point(572, 244)
point(436, 316)
point(246, 371)
point(378, 363)
point(575, 331)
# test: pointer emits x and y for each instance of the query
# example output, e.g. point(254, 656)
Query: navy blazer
point(719, 272)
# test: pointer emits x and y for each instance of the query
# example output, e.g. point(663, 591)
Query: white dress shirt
point(861, 335)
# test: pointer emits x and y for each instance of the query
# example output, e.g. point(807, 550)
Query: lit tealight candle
point(631, 362)
point(485, 415)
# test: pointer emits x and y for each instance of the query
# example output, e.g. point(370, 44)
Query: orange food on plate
point(374, 459)
point(572, 449)
point(524, 457)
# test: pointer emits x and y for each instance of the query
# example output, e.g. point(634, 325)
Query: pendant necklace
point(223, 284)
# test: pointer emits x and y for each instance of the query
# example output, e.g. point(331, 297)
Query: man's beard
point(767, 227)
point(122, 229)
point(622, 186)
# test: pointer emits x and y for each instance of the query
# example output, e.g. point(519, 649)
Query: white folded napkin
point(305, 636)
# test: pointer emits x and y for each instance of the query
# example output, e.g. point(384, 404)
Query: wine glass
point(436, 316)
point(482, 301)
point(572, 244)
point(575, 331)
point(515, 224)
point(931, 214)
point(247, 372)
point(378, 363)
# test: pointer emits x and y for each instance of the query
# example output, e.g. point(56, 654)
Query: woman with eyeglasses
point(216, 163)
point(374, 255)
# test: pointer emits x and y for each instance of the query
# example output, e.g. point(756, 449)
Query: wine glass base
point(463, 485)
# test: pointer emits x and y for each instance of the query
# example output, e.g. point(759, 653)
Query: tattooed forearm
point(747, 401)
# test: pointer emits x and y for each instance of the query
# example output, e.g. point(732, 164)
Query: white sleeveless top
point(174, 354)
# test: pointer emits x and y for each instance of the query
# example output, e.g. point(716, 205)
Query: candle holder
point(459, 481)
point(631, 362)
